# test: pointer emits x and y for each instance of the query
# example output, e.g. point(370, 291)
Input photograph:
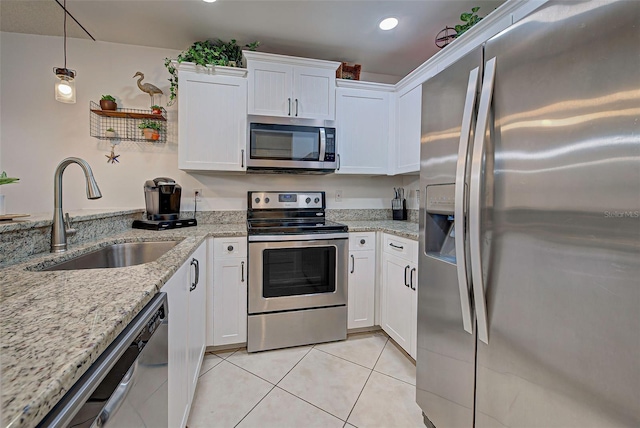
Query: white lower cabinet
point(399, 310)
point(362, 278)
point(229, 291)
point(185, 291)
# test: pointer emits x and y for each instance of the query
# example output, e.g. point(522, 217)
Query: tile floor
point(365, 381)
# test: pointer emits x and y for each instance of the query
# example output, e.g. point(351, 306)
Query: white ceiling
point(339, 30)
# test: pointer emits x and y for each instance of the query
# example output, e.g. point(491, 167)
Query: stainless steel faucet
point(60, 230)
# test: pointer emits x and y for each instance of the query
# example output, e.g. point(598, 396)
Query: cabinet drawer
point(227, 248)
point(362, 241)
point(401, 247)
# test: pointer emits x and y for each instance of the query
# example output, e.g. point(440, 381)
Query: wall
point(37, 133)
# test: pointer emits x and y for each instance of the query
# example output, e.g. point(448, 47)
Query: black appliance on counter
point(162, 199)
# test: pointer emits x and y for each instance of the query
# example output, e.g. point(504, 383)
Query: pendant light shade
point(65, 88)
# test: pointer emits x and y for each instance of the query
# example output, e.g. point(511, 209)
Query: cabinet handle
point(338, 161)
point(196, 264)
point(353, 263)
point(289, 114)
point(296, 107)
point(230, 248)
point(406, 268)
point(242, 266)
point(362, 242)
point(411, 278)
point(242, 158)
point(400, 247)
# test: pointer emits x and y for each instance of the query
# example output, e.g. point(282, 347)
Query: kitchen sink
point(117, 255)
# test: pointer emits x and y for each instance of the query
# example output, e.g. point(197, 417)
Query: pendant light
point(65, 88)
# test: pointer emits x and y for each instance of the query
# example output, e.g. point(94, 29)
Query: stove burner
point(289, 213)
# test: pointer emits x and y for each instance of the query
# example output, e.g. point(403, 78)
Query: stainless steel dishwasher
point(127, 385)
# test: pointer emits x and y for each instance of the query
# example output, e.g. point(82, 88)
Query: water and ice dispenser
point(440, 225)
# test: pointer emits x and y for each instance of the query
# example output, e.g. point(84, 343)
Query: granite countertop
point(54, 325)
point(404, 229)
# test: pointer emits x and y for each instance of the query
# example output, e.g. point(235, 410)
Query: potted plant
point(150, 129)
point(110, 133)
point(107, 102)
point(156, 109)
point(5, 180)
point(469, 19)
point(205, 53)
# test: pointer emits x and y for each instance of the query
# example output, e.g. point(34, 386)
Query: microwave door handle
point(323, 144)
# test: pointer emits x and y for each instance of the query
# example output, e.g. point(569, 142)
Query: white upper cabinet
point(285, 86)
point(408, 132)
point(212, 114)
point(363, 113)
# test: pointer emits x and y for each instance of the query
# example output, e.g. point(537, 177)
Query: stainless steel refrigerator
point(529, 292)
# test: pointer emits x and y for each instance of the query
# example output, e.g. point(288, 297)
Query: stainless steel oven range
point(297, 271)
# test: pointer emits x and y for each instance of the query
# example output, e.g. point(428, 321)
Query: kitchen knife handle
point(411, 278)
point(460, 199)
point(289, 101)
point(406, 268)
point(475, 194)
point(242, 267)
point(353, 263)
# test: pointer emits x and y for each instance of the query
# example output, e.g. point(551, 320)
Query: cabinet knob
point(230, 248)
point(362, 242)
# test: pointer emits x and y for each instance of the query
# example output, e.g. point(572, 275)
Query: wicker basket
point(350, 72)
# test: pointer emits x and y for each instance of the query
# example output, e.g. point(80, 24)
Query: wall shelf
point(125, 123)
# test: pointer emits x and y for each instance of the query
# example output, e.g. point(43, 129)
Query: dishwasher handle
point(117, 398)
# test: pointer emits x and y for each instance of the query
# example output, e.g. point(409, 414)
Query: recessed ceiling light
point(209, 1)
point(388, 24)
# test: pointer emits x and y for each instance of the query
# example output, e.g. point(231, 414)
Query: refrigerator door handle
point(474, 198)
point(459, 212)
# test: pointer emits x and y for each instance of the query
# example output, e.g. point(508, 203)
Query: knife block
point(399, 210)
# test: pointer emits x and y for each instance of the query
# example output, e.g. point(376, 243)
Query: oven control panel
point(284, 200)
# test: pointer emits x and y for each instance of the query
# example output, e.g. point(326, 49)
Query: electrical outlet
point(198, 194)
point(418, 197)
point(338, 195)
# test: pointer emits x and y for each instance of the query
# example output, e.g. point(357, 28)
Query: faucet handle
point(67, 226)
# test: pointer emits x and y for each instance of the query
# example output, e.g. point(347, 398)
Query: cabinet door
point(270, 89)
point(314, 93)
point(229, 301)
point(213, 122)
point(362, 122)
point(197, 314)
point(360, 306)
point(397, 300)
point(177, 289)
point(408, 131)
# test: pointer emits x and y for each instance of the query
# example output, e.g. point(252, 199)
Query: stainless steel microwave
point(291, 148)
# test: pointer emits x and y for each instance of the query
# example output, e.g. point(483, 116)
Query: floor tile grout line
point(393, 377)
point(311, 404)
point(294, 366)
point(256, 405)
point(342, 358)
point(365, 384)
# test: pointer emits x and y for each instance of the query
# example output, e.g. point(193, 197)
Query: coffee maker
point(162, 199)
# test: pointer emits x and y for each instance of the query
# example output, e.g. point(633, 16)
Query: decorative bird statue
point(147, 87)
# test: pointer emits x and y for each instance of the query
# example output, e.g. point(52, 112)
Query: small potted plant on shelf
point(107, 102)
point(156, 109)
point(150, 129)
point(110, 133)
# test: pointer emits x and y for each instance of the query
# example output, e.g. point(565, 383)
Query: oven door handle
point(309, 237)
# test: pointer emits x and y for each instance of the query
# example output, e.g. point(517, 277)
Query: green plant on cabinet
point(469, 19)
point(205, 53)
